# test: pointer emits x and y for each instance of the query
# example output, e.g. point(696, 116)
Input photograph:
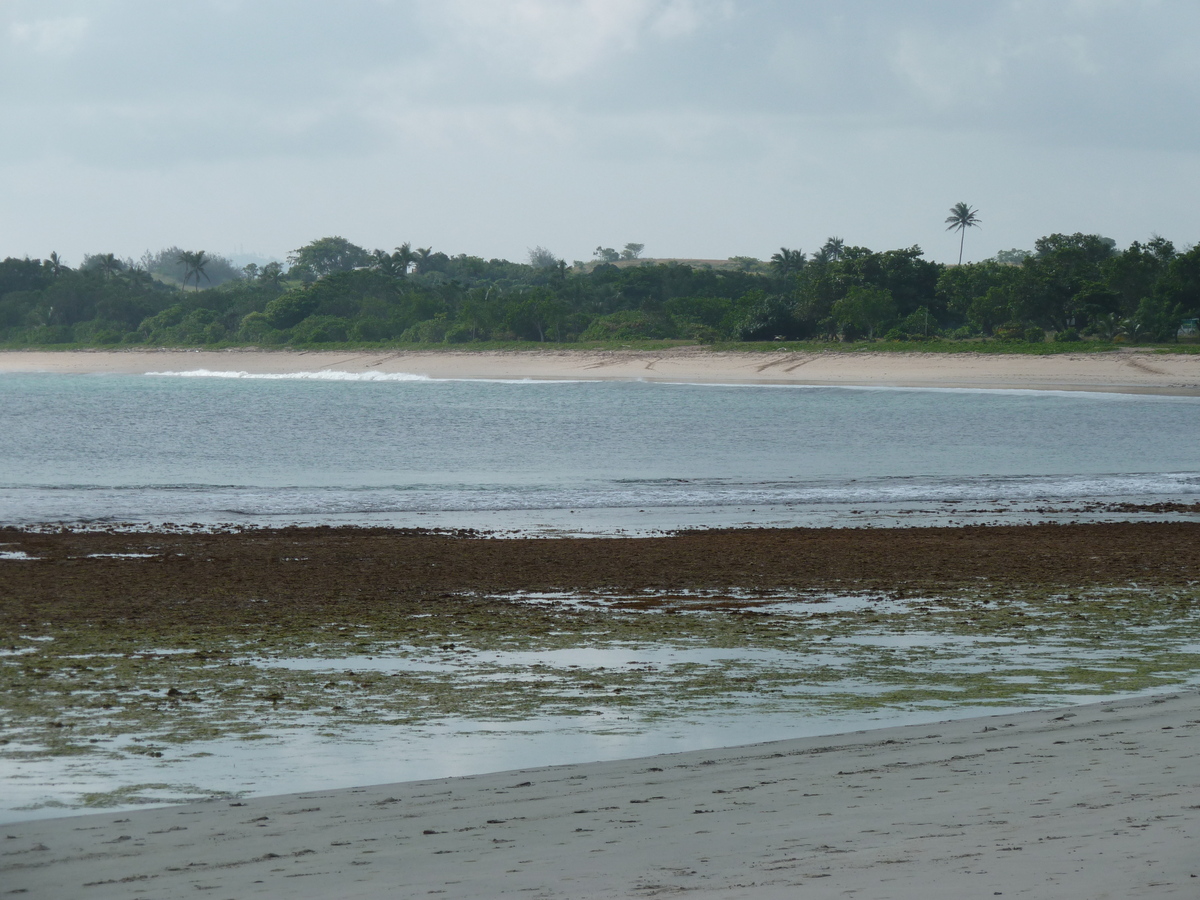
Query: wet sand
point(1120, 371)
point(1091, 802)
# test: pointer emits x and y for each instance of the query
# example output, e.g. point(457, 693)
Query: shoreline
point(1087, 801)
point(1123, 372)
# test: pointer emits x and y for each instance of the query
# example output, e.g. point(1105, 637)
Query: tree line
point(1067, 288)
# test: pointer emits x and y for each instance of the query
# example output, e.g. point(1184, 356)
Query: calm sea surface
point(584, 456)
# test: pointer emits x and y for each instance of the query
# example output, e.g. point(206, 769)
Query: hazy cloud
point(57, 37)
point(792, 114)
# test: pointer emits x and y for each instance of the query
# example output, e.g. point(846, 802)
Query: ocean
point(203, 449)
point(207, 448)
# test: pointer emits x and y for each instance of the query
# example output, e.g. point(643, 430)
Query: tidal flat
point(157, 666)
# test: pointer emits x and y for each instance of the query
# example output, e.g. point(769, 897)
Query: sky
point(700, 128)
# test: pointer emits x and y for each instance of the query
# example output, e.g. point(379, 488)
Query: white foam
point(320, 375)
point(334, 375)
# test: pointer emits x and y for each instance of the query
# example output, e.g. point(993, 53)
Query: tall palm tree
point(421, 258)
point(835, 249)
point(960, 219)
point(194, 262)
point(55, 264)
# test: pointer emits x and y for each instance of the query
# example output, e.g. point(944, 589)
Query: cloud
point(48, 37)
point(556, 40)
point(642, 110)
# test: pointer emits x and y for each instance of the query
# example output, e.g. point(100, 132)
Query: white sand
point(1123, 371)
point(1099, 801)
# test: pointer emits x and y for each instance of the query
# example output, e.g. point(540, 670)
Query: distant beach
point(1123, 371)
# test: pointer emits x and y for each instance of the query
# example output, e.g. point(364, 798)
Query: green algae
point(152, 692)
point(146, 794)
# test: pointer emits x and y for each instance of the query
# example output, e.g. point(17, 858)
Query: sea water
point(553, 458)
point(590, 457)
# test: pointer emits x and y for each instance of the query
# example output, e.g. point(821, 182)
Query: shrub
point(1156, 319)
point(320, 330)
point(458, 334)
point(51, 334)
point(290, 308)
point(1010, 331)
point(431, 331)
point(629, 325)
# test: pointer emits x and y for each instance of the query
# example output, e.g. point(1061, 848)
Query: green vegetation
point(1072, 292)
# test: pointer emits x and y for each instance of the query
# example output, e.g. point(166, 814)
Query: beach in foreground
point(1093, 802)
point(1126, 371)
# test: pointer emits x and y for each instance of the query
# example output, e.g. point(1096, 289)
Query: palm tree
point(960, 219)
point(271, 273)
point(421, 258)
point(384, 263)
point(137, 276)
point(55, 264)
point(109, 265)
point(834, 249)
point(404, 258)
point(788, 262)
point(194, 262)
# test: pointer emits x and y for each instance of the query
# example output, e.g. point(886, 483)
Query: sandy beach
point(1093, 802)
point(1125, 371)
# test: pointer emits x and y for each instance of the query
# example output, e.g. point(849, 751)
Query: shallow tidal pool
point(114, 719)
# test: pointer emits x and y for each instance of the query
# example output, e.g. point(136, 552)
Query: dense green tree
point(23, 275)
point(535, 314)
point(328, 255)
point(1054, 279)
point(290, 308)
point(1156, 319)
point(541, 258)
point(1181, 281)
point(963, 293)
point(766, 317)
point(1072, 285)
point(864, 309)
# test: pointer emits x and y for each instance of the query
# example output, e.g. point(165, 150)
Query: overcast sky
point(701, 128)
